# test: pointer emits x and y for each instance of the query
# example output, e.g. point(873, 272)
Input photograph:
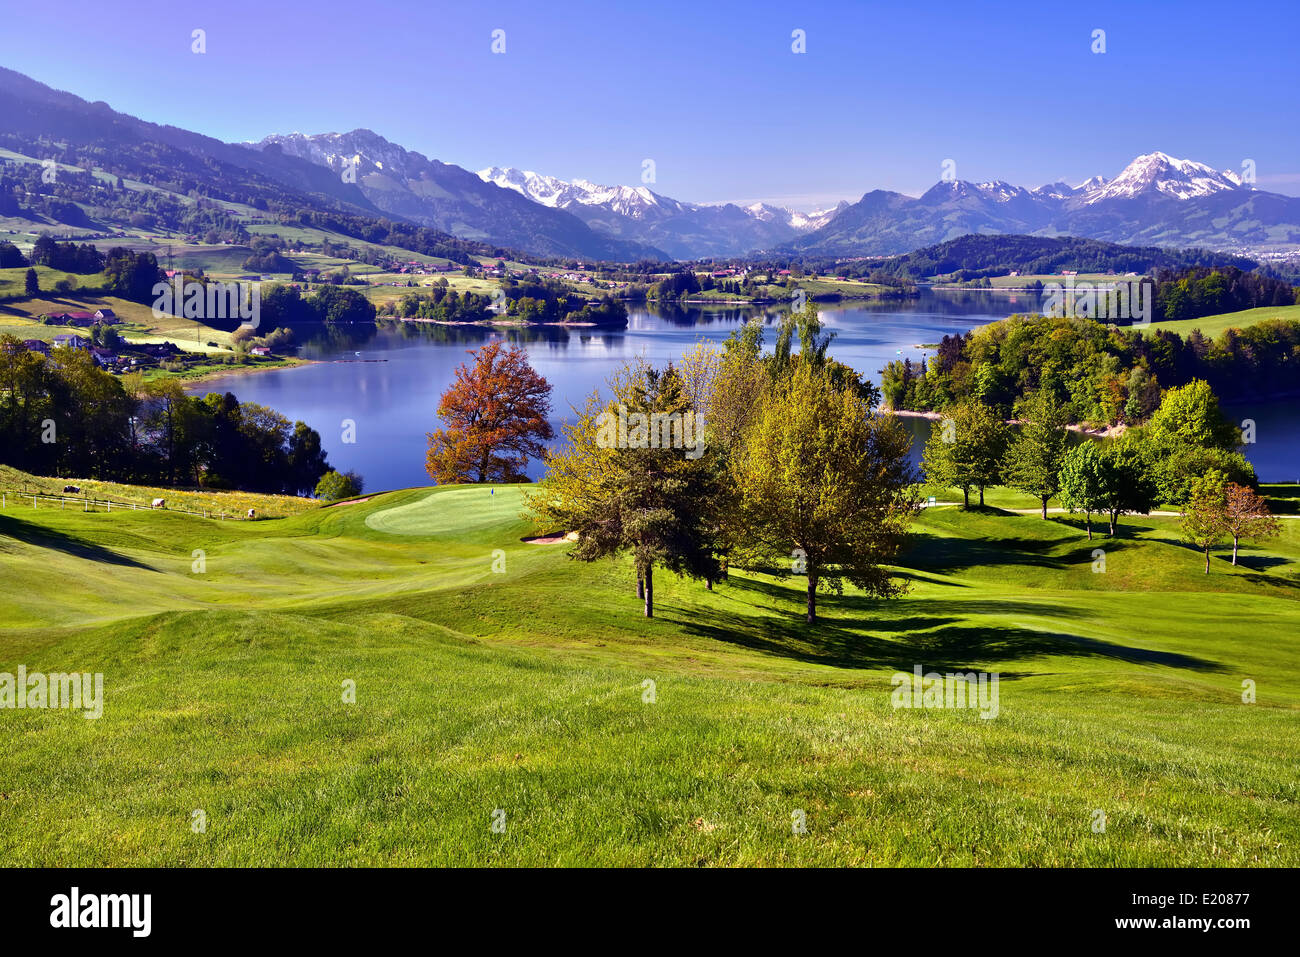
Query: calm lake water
point(390, 384)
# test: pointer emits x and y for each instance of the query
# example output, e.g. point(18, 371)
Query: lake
point(390, 384)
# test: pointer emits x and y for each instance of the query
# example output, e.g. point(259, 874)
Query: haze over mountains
point(1156, 200)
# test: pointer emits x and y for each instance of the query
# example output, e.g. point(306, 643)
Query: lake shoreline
point(1108, 432)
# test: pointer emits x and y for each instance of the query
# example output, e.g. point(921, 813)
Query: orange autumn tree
point(494, 419)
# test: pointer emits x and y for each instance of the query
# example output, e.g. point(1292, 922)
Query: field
point(17, 483)
point(498, 681)
point(1213, 325)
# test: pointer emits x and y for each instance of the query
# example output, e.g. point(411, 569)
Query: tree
point(1203, 515)
point(33, 283)
point(1190, 436)
point(496, 419)
point(622, 491)
point(819, 473)
point(1035, 455)
point(1246, 515)
point(1081, 482)
point(11, 257)
point(1127, 485)
point(338, 485)
point(306, 459)
point(966, 449)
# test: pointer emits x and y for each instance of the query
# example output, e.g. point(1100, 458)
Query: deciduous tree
point(1203, 515)
point(1035, 455)
point(1246, 515)
point(496, 419)
point(1081, 482)
point(819, 472)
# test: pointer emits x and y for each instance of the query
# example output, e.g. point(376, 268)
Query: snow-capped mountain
point(404, 183)
point(1156, 200)
point(1161, 173)
point(687, 230)
point(635, 202)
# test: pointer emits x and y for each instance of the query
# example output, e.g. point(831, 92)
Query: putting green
point(452, 511)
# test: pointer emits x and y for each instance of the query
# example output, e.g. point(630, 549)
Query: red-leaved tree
point(494, 419)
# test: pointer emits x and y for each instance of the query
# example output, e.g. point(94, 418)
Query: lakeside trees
point(495, 417)
point(794, 463)
point(1186, 456)
point(819, 472)
point(65, 416)
point(966, 450)
point(1037, 451)
point(1107, 376)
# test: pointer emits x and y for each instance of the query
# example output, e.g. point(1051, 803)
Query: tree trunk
point(1087, 518)
point(650, 591)
point(965, 494)
point(1234, 549)
point(708, 583)
point(640, 584)
point(981, 496)
point(1044, 509)
point(1113, 519)
point(1207, 559)
point(812, 600)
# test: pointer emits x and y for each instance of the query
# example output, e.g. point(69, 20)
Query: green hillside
point(1212, 326)
point(523, 690)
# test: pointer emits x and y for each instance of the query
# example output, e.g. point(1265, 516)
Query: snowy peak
point(636, 202)
point(364, 149)
point(631, 201)
point(1161, 173)
point(996, 190)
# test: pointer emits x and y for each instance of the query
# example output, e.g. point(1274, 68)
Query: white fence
point(88, 504)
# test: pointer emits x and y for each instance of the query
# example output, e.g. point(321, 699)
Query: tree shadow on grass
point(942, 640)
point(45, 537)
point(936, 553)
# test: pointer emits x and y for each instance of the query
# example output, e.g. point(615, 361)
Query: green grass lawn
point(492, 674)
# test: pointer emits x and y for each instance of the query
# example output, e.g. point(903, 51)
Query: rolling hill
point(537, 691)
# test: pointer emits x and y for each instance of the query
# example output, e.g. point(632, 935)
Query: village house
point(37, 345)
point(70, 340)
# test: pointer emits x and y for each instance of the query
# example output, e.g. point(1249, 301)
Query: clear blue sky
point(710, 91)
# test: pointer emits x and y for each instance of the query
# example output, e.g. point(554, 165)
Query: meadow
point(498, 682)
point(1212, 326)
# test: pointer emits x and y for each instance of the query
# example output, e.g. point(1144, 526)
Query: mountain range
point(685, 230)
point(405, 183)
point(1156, 200)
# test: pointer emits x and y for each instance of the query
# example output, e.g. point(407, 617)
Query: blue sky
point(711, 92)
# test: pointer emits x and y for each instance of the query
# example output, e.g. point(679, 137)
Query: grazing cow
point(160, 503)
point(71, 489)
point(252, 513)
